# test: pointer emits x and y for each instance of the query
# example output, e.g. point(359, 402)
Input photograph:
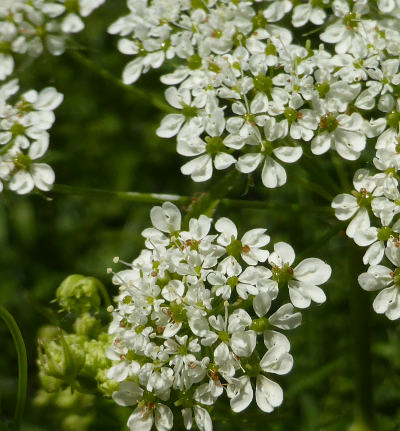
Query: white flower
point(307, 12)
point(342, 133)
point(178, 327)
point(273, 174)
point(346, 206)
point(142, 418)
point(304, 279)
point(380, 277)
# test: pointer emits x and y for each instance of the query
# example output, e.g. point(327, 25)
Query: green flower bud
point(105, 385)
point(63, 357)
point(79, 294)
point(75, 422)
point(50, 384)
point(95, 357)
point(359, 427)
point(87, 325)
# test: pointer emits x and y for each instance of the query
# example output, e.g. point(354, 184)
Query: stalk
point(22, 366)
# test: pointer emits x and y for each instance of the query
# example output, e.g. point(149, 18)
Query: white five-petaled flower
point(304, 279)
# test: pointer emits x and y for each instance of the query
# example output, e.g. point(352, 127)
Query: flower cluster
point(377, 196)
point(199, 315)
point(76, 358)
point(29, 27)
point(248, 95)
point(24, 138)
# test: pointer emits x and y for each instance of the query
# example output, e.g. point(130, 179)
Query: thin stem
point(310, 380)
point(108, 76)
point(22, 365)
point(104, 294)
point(322, 241)
point(157, 198)
point(340, 171)
point(316, 188)
point(360, 312)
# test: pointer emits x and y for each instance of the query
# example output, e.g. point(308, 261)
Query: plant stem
point(108, 76)
point(360, 312)
point(156, 198)
point(22, 365)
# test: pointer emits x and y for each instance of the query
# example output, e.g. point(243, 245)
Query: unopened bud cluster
point(197, 318)
point(76, 358)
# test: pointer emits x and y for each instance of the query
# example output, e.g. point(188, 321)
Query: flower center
point(282, 275)
point(234, 248)
point(384, 233)
point(214, 145)
point(264, 84)
point(329, 122)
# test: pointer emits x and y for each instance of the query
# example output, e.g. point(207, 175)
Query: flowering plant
point(271, 106)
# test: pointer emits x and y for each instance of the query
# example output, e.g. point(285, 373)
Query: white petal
point(163, 418)
point(223, 161)
point(170, 125)
point(243, 343)
point(301, 294)
point(129, 394)
point(200, 169)
point(261, 304)
point(268, 394)
point(244, 396)
point(359, 222)
point(202, 418)
point(49, 99)
point(288, 154)
point(43, 176)
point(285, 318)
point(273, 174)
point(312, 271)
point(374, 253)
point(166, 218)
point(22, 183)
point(132, 71)
point(72, 23)
point(140, 420)
point(377, 277)
point(187, 418)
point(345, 206)
point(321, 144)
point(386, 299)
point(248, 162)
point(277, 361)
point(283, 254)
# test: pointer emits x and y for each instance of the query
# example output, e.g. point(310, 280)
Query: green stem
point(316, 188)
point(311, 380)
point(322, 241)
point(108, 76)
point(104, 294)
point(156, 198)
point(22, 365)
point(360, 312)
point(340, 171)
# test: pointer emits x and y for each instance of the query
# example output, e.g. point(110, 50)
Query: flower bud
point(95, 357)
point(88, 325)
point(62, 357)
point(104, 384)
point(79, 294)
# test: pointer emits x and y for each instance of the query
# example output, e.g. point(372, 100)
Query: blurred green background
point(104, 137)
